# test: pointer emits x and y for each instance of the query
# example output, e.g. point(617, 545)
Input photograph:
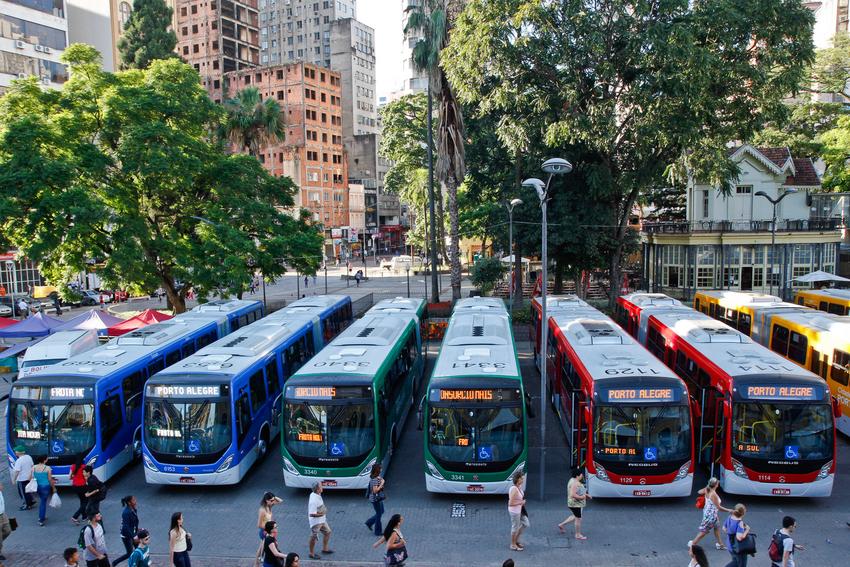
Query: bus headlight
point(738, 468)
point(290, 468)
point(824, 471)
point(368, 468)
point(683, 471)
point(149, 464)
point(600, 472)
point(433, 471)
point(225, 465)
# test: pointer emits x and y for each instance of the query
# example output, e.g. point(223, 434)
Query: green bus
point(474, 408)
point(344, 410)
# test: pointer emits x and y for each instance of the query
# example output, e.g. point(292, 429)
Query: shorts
point(323, 527)
point(576, 512)
point(262, 534)
point(518, 522)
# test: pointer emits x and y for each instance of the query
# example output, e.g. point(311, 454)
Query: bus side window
point(272, 378)
point(696, 304)
point(311, 344)
point(243, 417)
point(172, 357)
point(800, 301)
point(744, 322)
point(132, 386)
point(779, 340)
point(819, 364)
point(110, 419)
point(243, 320)
point(840, 365)
point(258, 391)
point(155, 367)
point(822, 306)
point(711, 310)
point(655, 343)
point(798, 347)
point(836, 309)
point(188, 349)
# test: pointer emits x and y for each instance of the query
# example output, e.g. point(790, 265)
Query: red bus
point(768, 424)
point(554, 304)
point(630, 311)
point(626, 416)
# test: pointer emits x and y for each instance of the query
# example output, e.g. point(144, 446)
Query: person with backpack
point(141, 556)
point(93, 541)
point(129, 527)
point(782, 546)
point(95, 491)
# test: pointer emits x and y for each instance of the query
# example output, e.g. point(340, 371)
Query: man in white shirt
point(93, 537)
point(5, 528)
point(317, 514)
point(22, 474)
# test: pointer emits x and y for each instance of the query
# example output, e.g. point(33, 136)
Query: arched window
point(124, 10)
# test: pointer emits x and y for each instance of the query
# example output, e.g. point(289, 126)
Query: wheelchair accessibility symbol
point(57, 447)
point(194, 446)
point(485, 453)
point(337, 449)
point(792, 452)
point(650, 454)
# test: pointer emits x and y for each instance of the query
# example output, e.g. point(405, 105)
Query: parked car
point(5, 311)
point(6, 300)
point(92, 297)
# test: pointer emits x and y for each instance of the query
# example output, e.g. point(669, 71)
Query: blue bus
point(210, 417)
point(90, 405)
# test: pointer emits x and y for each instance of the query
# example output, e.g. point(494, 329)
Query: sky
point(385, 17)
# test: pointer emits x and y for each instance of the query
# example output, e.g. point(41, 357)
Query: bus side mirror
point(588, 415)
point(529, 408)
point(695, 409)
point(836, 408)
point(419, 415)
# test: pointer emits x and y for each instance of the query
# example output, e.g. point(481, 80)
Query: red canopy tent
point(5, 322)
point(146, 317)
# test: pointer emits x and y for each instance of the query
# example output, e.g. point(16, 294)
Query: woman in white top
point(179, 541)
point(698, 557)
point(516, 504)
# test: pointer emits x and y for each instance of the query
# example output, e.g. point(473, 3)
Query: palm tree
point(252, 122)
point(433, 18)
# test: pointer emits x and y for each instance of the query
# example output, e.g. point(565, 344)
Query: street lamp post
point(553, 166)
point(408, 280)
point(774, 202)
point(510, 206)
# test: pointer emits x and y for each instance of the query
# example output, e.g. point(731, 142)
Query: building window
point(124, 10)
point(196, 48)
point(705, 204)
point(743, 189)
point(195, 28)
point(194, 9)
point(758, 277)
point(216, 84)
point(705, 278)
point(185, 50)
point(185, 31)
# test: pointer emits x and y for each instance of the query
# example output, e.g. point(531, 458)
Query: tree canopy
point(147, 35)
point(123, 169)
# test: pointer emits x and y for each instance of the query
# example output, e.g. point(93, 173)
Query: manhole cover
point(458, 510)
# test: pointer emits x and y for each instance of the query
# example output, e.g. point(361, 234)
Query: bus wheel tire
point(263, 444)
point(137, 447)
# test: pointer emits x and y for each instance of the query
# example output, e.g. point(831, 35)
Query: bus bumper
point(603, 489)
point(434, 484)
point(230, 476)
point(733, 484)
point(328, 483)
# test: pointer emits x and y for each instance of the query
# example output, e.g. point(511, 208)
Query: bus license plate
point(475, 488)
point(329, 483)
point(187, 480)
point(782, 492)
point(642, 493)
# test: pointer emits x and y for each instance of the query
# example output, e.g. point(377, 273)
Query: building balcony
point(691, 227)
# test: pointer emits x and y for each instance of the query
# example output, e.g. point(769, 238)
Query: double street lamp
point(774, 202)
point(510, 206)
point(553, 166)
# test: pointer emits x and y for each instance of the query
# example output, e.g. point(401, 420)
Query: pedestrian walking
point(71, 556)
point(22, 474)
point(265, 515)
point(179, 542)
point(129, 528)
point(376, 495)
point(95, 552)
point(272, 556)
point(710, 513)
point(783, 542)
point(697, 555)
point(5, 526)
point(516, 510)
point(78, 482)
point(577, 498)
point(141, 556)
point(317, 513)
point(23, 308)
point(95, 491)
point(306, 279)
point(57, 305)
point(396, 548)
point(292, 560)
point(358, 276)
point(43, 476)
point(736, 529)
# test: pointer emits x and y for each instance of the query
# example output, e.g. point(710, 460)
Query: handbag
point(396, 556)
point(700, 501)
point(55, 501)
point(523, 513)
point(31, 486)
point(746, 546)
point(13, 524)
point(188, 542)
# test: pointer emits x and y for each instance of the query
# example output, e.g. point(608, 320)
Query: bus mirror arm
point(695, 409)
point(419, 416)
point(836, 408)
point(529, 407)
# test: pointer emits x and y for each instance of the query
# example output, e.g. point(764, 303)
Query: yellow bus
point(836, 301)
point(737, 308)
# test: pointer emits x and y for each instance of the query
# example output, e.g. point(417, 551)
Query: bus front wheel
point(263, 444)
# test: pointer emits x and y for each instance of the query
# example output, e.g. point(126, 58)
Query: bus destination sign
point(641, 395)
point(474, 395)
point(784, 392)
point(178, 391)
point(328, 392)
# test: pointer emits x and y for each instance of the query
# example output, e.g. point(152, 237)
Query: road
point(621, 533)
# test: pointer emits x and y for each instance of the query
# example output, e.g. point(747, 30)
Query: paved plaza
point(621, 532)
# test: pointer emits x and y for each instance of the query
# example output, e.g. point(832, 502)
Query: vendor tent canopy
point(93, 319)
point(146, 317)
point(819, 276)
point(39, 325)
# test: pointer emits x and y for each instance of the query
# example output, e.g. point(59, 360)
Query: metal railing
point(803, 225)
point(362, 305)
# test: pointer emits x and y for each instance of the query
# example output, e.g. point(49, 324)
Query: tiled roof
point(806, 175)
point(777, 155)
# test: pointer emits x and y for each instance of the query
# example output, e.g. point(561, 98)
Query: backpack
point(777, 546)
point(81, 539)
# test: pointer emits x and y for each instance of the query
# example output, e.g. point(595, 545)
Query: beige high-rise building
point(353, 56)
point(33, 35)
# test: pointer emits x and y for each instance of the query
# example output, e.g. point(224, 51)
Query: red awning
point(146, 317)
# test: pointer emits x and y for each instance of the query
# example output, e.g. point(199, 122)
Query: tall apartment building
point(217, 37)
point(353, 56)
point(413, 80)
point(33, 35)
point(299, 30)
point(312, 153)
point(831, 17)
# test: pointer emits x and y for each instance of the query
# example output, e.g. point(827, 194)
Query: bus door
point(719, 436)
point(711, 420)
point(578, 429)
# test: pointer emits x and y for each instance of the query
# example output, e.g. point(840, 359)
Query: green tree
point(485, 273)
point(639, 87)
point(433, 18)
point(147, 35)
point(120, 168)
point(253, 122)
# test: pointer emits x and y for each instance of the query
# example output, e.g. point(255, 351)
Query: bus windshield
point(339, 433)
point(782, 431)
point(61, 430)
point(651, 433)
point(187, 427)
point(476, 434)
